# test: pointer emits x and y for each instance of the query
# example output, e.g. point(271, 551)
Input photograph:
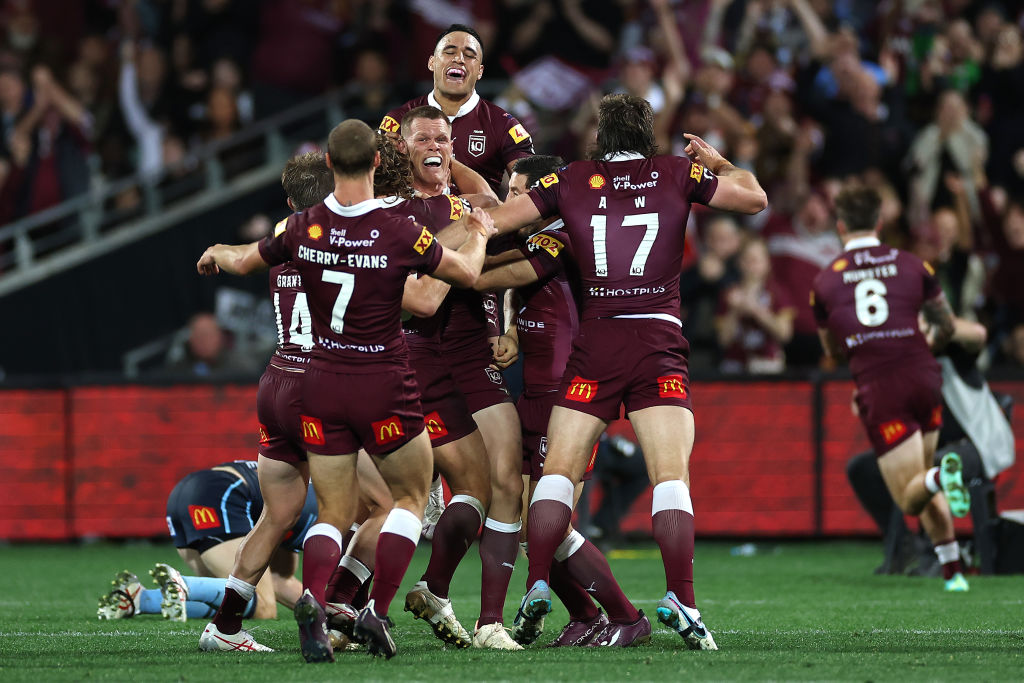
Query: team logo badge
point(315, 232)
point(264, 437)
point(518, 133)
point(424, 242)
point(671, 386)
point(494, 375)
point(840, 265)
point(435, 425)
point(477, 144)
point(312, 430)
point(458, 207)
point(548, 180)
point(543, 447)
point(597, 181)
point(545, 242)
point(892, 431)
point(582, 390)
point(203, 517)
point(280, 227)
point(388, 430)
point(696, 171)
point(389, 125)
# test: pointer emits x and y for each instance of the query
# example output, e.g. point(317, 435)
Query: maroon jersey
point(354, 261)
point(869, 299)
point(626, 218)
point(291, 313)
point(485, 137)
point(548, 321)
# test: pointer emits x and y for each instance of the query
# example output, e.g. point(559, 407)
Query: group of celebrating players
point(387, 283)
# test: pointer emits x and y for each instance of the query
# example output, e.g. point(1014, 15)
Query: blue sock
point(199, 610)
point(250, 608)
point(149, 601)
point(205, 589)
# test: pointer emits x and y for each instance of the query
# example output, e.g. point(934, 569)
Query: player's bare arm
point(971, 335)
point(508, 275)
point(236, 259)
point(940, 316)
point(738, 189)
point(462, 267)
point(423, 296)
point(832, 348)
point(514, 214)
point(472, 186)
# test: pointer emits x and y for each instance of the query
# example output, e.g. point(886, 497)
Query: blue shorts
point(209, 507)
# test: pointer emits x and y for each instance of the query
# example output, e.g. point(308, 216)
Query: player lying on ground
point(867, 303)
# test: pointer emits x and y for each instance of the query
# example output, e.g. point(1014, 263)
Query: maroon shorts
point(278, 407)
point(636, 362)
point(894, 406)
point(445, 412)
point(482, 385)
point(343, 412)
point(534, 413)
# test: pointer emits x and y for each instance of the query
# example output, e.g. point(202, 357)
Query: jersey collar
point(469, 106)
point(360, 209)
point(623, 156)
point(862, 243)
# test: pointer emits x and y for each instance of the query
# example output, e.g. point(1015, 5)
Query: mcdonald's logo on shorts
point(264, 437)
point(936, 420)
point(387, 430)
point(892, 431)
point(582, 390)
point(203, 517)
point(435, 425)
point(671, 386)
point(312, 430)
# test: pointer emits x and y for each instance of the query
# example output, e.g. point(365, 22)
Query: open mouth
point(454, 73)
point(432, 162)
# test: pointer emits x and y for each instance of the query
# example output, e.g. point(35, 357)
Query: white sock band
point(323, 529)
point(554, 487)
point(358, 569)
point(246, 590)
point(469, 500)
point(503, 527)
point(403, 523)
point(573, 542)
point(671, 495)
point(948, 552)
point(931, 480)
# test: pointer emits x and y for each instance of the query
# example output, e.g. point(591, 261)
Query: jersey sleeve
point(700, 183)
point(818, 304)
point(932, 288)
point(392, 121)
point(516, 142)
point(547, 194)
point(543, 251)
point(276, 249)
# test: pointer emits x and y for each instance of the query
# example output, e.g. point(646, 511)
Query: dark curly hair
point(625, 123)
point(394, 175)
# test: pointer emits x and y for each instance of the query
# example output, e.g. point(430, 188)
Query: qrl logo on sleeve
point(203, 517)
point(388, 430)
point(312, 430)
point(892, 431)
point(547, 243)
point(582, 390)
point(518, 133)
point(458, 208)
point(424, 242)
point(389, 125)
point(671, 386)
point(435, 426)
point(548, 180)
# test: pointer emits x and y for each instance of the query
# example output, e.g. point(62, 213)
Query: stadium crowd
point(919, 100)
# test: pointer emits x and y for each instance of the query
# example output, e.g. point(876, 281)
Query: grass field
point(790, 612)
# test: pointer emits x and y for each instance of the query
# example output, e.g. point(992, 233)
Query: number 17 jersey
point(626, 218)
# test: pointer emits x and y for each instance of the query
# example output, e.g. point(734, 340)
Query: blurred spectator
point(1003, 225)
point(1013, 347)
point(754, 319)
point(370, 94)
point(208, 352)
point(701, 285)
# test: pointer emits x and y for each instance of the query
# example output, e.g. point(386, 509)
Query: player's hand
point(481, 221)
point(206, 264)
point(506, 352)
point(704, 153)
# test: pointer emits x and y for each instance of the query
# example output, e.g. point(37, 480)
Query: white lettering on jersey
point(603, 204)
point(641, 202)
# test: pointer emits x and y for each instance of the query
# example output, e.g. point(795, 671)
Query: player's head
point(858, 211)
point(352, 149)
point(427, 139)
point(457, 62)
point(527, 172)
point(393, 178)
point(306, 180)
point(625, 123)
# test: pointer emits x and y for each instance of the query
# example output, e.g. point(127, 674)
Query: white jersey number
point(300, 329)
point(870, 304)
point(348, 283)
point(643, 251)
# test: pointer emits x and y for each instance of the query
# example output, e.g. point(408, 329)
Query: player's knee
point(507, 487)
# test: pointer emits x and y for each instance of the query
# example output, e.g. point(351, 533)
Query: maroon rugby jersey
point(869, 299)
point(485, 137)
point(291, 313)
point(626, 218)
point(354, 261)
point(548, 321)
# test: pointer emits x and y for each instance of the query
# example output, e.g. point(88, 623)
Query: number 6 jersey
point(626, 218)
point(869, 298)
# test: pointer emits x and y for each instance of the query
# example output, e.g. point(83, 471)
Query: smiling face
point(457, 64)
point(429, 146)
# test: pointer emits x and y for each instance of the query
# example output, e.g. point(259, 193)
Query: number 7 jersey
point(626, 218)
point(869, 299)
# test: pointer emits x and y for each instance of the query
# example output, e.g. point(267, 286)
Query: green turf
point(793, 611)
